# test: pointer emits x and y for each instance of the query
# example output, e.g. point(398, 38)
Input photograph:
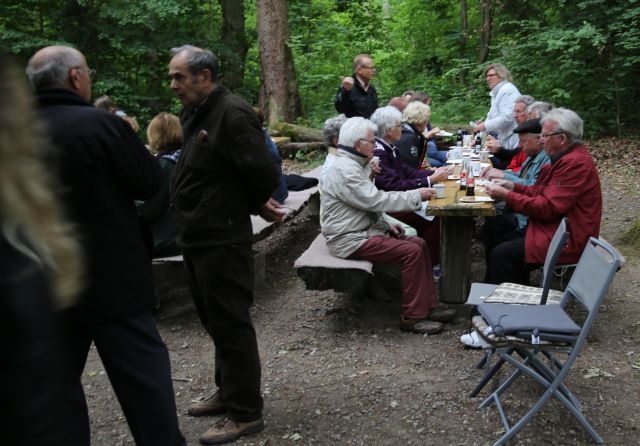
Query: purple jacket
point(396, 174)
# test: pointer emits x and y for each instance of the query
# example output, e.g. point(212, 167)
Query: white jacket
point(500, 117)
point(351, 206)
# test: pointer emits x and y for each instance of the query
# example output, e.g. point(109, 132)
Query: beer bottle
point(471, 181)
point(463, 174)
point(459, 138)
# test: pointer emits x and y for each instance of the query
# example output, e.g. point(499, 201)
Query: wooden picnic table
point(456, 233)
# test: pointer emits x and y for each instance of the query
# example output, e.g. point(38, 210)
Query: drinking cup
point(439, 187)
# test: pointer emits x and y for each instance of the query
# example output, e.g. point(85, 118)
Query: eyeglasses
point(90, 71)
point(368, 67)
point(491, 75)
point(542, 135)
point(370, 141)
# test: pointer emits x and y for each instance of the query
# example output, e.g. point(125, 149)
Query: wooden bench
point(320, 270)
point(295, 203)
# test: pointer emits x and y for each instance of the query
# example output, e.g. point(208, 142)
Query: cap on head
point(530, 126)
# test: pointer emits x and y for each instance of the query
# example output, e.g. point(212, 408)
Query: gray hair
point(355, 129)
point(526, 100)
point(51, 70)
point(386, 118)
point(416, 113)
point(358, 61)
point(539, 108)
point(331, 128)
point(198, 60)
point(567, 122)
point(501, 71)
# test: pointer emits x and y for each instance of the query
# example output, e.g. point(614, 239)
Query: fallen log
point(304, 147)
point(297, 133)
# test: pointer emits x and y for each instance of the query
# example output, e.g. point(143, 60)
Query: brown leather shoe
point(421, 326)
point(227, 430)
point(212, 405)
point(442, 315)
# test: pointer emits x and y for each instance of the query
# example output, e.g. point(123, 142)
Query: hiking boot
point(227, 430)
point(212, 405)
point(442, 315)
point(421, 326)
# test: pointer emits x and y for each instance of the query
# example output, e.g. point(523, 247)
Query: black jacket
point(412, 146)
point(33, 410)
point(103, 167)
point(225, 172)
point(357, 102)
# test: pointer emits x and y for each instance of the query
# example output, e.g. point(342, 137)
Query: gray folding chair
point(588, 286)
point(479, 291)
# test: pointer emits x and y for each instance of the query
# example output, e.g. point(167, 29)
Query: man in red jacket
point(567, 187)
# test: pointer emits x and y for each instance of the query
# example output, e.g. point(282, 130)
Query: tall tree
point(485, 39)
point(464, 25)
point(279, 96)
point(234, 43)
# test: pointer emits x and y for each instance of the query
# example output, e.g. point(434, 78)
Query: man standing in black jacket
point(103, 167)
point(225, 173)
point(356, 96)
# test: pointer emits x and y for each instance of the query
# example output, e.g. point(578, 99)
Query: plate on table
point(453, 177)
point(454, 161)
point(444, 133)
point(478, 199)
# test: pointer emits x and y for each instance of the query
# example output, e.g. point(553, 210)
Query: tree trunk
point(291, 148)
point(485, 40)
point(234, 44)
point(464, 24)
point(279, 98)
point(297, 133)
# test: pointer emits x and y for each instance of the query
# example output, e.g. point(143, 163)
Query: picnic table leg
point(455, 248)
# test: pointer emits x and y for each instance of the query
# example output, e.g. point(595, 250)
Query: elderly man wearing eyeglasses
point(351, 220)
point(567, 187)
point(356, 96)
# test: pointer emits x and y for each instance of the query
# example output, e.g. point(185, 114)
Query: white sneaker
point(474, 340)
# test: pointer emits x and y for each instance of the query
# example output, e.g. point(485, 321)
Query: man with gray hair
point(567, 187)
point(103, 167)
point(351, 208)
point(225, 173)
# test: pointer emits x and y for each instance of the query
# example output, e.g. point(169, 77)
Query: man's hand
point(396, 230)
point(479, 127)
point(493, 173)
point(272, 210)
point(496, 192)
point(492, 144)
point(375, 167)
point(504, 183)
point(347, 83)
point(426, 193)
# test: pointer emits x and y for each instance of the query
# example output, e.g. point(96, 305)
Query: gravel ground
point(337, 371)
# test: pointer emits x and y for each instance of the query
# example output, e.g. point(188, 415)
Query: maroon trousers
point(427, 230)
point(419, 295)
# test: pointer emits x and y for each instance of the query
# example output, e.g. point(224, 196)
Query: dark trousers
point(508, 265)
point(222, 281)
point(137, 363)
point(499, 229)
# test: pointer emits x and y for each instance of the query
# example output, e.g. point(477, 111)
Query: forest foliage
point(581, 54)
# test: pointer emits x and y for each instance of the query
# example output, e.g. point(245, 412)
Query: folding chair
point(519, 295)
point(588, 286)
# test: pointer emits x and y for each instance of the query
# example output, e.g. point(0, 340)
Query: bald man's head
point(60, 67)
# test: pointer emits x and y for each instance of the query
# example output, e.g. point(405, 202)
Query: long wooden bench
point(320, 270)
point(295, 203)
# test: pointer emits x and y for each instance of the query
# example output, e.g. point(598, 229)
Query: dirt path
point(337, 371)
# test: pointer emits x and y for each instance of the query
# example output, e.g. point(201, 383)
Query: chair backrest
point(558, 242)
point(593, 275)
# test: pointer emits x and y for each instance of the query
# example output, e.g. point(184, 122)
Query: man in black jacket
point(356, 96)
point(103, 167)
point(225, 173)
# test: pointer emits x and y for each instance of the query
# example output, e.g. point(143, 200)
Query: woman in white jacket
point(500, 118)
